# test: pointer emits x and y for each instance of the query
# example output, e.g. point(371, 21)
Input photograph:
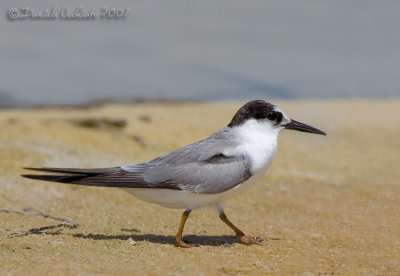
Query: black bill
point(303, 127)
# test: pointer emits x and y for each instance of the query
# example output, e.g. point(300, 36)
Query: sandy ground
point(328, 205)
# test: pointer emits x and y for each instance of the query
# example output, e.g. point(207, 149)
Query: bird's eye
point(272, 116)
point(275, 117)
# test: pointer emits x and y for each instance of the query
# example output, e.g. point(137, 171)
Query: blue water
point(226, 49)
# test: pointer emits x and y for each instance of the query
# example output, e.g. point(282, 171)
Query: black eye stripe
point(272, 116)
point(275, 116)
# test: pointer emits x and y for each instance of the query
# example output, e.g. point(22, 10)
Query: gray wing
point(198, 168)
point(104, 177)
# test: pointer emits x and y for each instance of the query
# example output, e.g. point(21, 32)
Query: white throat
point(258, 143)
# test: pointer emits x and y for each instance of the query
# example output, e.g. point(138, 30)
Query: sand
point(328, 205)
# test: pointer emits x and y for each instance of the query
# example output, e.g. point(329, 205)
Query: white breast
point(258, 143)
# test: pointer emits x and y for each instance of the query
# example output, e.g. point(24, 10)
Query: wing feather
point(201, 167)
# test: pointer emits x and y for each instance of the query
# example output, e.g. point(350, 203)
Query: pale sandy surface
point(328, 205)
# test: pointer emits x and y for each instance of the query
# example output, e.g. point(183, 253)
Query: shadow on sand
point(192, 239)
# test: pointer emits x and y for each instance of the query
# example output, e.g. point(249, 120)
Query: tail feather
point(75, 171)
point(56, 178)
point(107, 177)
point(87, 177)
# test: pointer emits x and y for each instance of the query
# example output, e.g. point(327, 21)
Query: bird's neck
point(259, 143)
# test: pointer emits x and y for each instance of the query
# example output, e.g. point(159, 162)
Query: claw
point(181, 243)
point(247, 240)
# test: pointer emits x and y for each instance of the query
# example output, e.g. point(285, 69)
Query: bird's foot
point(247, 240)
point(181, 243)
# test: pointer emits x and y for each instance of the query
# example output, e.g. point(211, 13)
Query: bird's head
point(268, 116)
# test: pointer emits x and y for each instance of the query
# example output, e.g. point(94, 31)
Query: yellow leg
point(244, 239)
point(178, 237)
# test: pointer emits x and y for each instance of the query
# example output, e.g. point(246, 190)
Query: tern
point(207, 172)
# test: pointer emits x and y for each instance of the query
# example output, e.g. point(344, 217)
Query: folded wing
point(198, 168)
point(107, 177)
